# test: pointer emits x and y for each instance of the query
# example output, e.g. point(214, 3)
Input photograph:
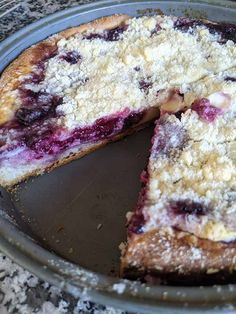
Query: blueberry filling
point(170, 139)
point(71, 57)
point(36, 106)
point(36, 129)
point(132, 119)
point(108, 35)
point(28, 116)
point(183, 207)
point(186, 25)
point(205, 110)
point(39, 139)
point(37, 76)
point(137, 68)
point(156, 30)
point(226, 31)
point(230, 79)
point(103, 128)
point(34, 125)
point(145, 85)
point(137, 222)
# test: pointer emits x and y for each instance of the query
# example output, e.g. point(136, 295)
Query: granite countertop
point(20, 291)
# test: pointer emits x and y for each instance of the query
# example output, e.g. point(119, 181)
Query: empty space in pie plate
point(78, 210)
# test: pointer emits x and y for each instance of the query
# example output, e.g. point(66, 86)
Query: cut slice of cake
point(184, 226)
point(95, 83)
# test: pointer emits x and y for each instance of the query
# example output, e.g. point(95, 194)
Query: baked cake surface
point(184, 225)
point(88, 85)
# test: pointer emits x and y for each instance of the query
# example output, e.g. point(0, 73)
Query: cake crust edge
point(171, 256)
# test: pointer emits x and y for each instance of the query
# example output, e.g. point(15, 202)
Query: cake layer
point(169, 256)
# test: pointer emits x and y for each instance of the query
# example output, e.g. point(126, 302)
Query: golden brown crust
point(172, 254)
point(23, 65)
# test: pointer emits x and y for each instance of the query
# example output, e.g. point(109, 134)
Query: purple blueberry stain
point(187, 206)
point(46, 139)
point(39, 139)
point(37, 76)
point(28, 96)
point(230, 79)
point(33, 121)
point(186, 25)
point(205, 110)
point(133, 118)
point(34, 99)
point(27, 116)
point(108, 35)
point(92, 36)
point(226, 31)
point(136, 224)
point(137, 68)
point(102, 128)
point(156, 30)
point(71, 57)
point(145, 85)
point(44, 110)
point(115, 33)
point(170, 138)
point(36, 106)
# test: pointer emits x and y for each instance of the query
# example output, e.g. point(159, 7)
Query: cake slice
point(183, 229)
point(95, 83)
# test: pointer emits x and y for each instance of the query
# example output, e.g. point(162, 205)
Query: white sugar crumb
point(122, 247)
point(196, 253)
point(119, 287)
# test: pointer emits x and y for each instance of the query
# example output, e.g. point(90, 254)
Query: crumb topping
point(97, 77)
point(199, 176)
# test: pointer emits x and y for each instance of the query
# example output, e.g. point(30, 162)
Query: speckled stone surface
point(20, 291)
point(15, 14)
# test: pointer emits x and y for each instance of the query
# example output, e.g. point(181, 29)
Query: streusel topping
point(192, 169)
point(128, 70)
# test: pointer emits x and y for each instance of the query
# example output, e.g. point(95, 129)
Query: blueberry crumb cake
point(98, 82)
